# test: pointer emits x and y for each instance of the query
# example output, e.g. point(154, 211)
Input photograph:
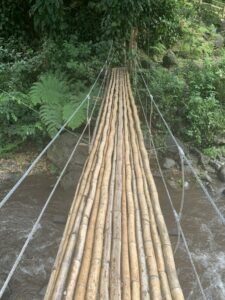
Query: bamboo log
point(155, 287)
point(176, 291)
point(134, 263)
point(158, 248)
point(86, 209)
point(104, 281)
point(126, 279)
point(115, 268)
point(145, 293)
point(83, 231)
point(81, 286)
point(156, 240)
point(78, 195)
point(64, 268)
point(149, 250)
point(75, 266)
point(94, 274)
point(100, 117)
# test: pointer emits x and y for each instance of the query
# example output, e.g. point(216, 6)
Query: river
point(204, 233)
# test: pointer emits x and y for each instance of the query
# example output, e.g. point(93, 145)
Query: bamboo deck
point(115, 244)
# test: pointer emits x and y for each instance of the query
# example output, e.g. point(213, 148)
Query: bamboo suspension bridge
point(115, 243)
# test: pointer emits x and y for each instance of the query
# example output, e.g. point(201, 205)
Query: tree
point(154, 20)
point(94, 19)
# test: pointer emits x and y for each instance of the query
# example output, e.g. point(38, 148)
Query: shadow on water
point(204, 233)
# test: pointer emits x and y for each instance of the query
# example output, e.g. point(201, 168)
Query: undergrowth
point(40, 89)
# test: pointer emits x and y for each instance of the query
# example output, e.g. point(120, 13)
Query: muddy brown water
point(204, 233)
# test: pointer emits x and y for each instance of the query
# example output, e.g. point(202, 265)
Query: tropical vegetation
point(51, 52)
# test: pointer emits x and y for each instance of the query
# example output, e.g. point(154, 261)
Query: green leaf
point(79, 118)
point(50, 89)
point(51, 115)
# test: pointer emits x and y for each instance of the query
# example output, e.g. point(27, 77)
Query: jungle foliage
point(190, 94)
point(52, 50)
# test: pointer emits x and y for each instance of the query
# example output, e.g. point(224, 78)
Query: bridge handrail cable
point(181, 152)
point(176, 215)
point(35, 226)
point(14, 188)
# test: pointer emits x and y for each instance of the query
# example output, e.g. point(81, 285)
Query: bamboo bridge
point(115, 244)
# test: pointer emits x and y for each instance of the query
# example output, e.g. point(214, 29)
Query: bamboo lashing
point(115, 244)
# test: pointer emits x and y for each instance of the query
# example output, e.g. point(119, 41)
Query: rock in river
point(169, 163)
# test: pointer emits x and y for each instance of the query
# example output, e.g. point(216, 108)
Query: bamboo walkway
point(115, 244)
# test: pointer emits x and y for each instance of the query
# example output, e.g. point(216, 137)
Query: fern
point(50, 89)
point(52, 93)
point(79, 118)
point(51, 116)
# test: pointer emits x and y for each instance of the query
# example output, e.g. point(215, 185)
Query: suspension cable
point(156, 156)
point(35, 226)
point(177, 217)
point(181, 151)
point(19, 101)
point(14, 188)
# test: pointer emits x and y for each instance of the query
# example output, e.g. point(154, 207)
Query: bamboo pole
point(132, 242)
point(100, 117)
point(83, 227)
point(86, 234)
point(87, 212)
point(115, 268)
point(156, 239)
point(104, 280)
point(81, 286)
point(149, 250)
point(126, 279)
point(145, 293)
point(78, 195)
point(64, 268)
point(94, 274)
point(158, 248)
point(176, 291)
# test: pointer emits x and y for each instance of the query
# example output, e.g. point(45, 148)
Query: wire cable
point(19, 101)
point(9, 194)
point(152, 144)
point(177, 217)
point(35, 226)
point(181, 151)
